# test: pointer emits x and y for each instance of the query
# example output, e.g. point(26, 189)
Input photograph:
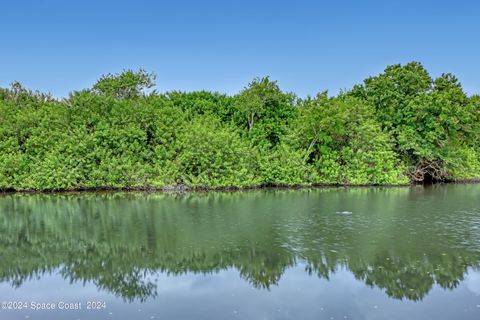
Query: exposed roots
point(428, 171)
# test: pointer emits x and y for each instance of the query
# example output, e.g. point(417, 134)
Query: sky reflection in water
point(399, 253)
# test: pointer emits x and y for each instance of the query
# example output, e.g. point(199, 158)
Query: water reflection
point(404, 241)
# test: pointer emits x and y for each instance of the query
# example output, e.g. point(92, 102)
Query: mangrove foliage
point(398, 127)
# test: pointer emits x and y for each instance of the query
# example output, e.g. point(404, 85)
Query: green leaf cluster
point(399, 126)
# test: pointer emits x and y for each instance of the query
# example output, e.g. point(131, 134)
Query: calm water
point(361, 253)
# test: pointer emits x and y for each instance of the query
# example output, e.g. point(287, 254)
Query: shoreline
point(182, 188)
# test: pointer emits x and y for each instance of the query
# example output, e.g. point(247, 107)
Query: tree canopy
point(397, 127)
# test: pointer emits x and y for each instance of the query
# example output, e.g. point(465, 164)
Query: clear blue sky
point(308, 46)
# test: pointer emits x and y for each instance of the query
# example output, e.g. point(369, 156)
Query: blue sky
point(308, 46)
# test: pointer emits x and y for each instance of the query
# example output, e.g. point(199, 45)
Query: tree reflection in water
point(402, 240)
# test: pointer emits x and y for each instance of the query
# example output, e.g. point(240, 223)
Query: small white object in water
point(344, 212)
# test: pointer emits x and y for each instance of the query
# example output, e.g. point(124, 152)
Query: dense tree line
point(397, 127)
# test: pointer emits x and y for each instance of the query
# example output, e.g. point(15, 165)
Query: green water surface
point(358, 253)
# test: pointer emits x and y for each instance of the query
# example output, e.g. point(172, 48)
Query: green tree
point(128, 84)
point(343, 140)
point(212, 154)
point(431, 120)
point(264, 110)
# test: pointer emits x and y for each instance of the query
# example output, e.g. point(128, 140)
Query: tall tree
point(128, 84)
point(264, 109)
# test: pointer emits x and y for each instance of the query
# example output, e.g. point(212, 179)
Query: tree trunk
point(250, 121)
